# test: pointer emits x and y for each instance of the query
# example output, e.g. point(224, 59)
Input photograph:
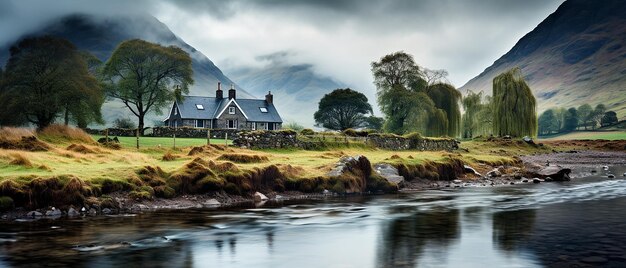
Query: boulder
point(468, 169)
point(53, 213)
point(548, 179)
point(389, 172)
point(528, 140)
point(611, 176)
point(212, 203)
point(624, 174)
point(107, 211)
point(72, 212)
point(259, 197)
point(494, 173)
point(556, 173)
point(34, 214)
point(536, 180)
point(525, 180)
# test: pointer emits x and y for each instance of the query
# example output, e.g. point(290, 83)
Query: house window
point(263, 109)
point(199, 106)
point(231, 110)
point(200, 123)
point(175, 111)
point(253, 125)
point(232, 124)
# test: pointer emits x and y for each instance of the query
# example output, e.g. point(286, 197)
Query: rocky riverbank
point(530, 169)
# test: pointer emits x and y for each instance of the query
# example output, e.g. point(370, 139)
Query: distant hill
point(576, 55)
point(100, 36)
point(297, 88)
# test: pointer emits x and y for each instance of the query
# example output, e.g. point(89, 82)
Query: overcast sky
point(339, 37)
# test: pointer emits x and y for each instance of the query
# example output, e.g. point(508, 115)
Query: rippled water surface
point(580, 223)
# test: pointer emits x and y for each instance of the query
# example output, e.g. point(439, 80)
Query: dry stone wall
point(398, 143)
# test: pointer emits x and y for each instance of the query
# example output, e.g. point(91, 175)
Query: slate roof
point(213, 106)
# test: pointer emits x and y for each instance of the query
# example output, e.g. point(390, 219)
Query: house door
point(270, 126)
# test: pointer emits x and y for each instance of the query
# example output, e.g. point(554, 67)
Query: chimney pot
point(269, 98)
point(219, 94)
point(231, 92)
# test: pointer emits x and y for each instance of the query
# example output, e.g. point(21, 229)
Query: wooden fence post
point(137, 134)
point(106, 136)
point(226, 139)
point(208, 137)
point(174, 139)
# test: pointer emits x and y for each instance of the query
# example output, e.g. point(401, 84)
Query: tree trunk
point(141, 124)
point(67, 116)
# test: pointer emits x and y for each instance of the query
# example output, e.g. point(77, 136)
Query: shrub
point(6, 203)
point(124, 123)
point(293, 126)
point(307, 132)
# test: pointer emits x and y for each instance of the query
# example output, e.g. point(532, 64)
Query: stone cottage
point(225, 113)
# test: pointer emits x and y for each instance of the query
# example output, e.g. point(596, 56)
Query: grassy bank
point(588, 135)
point(75, 166)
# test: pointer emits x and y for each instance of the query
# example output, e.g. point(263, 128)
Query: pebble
point(106, 211)
point(624, 174)
point(536, 180)
point(34, 214)
point(72, 212)
point(611, 176)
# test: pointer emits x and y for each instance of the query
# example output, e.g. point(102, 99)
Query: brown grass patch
point(15, 134)
point(169, 157)
point(63, 133)
point(223, 167)
point(26, 143)
point(243, 158)
point(79, 148)
point(20, 159)
point(195, 177)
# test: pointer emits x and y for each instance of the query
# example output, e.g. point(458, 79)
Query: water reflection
point(511, 228)
point(580, 223)
point(404, 238)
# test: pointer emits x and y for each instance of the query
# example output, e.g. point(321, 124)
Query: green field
point(165, 142)
point(588, 135)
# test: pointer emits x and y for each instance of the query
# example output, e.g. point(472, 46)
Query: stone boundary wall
point(262, 139)
point(289, 139)
point(399, 143)
point(181, 132)
point(187, 132)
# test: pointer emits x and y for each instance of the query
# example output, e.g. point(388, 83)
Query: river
point(579, 223)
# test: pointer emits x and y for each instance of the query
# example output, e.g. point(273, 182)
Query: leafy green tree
point(559, 114)
point(597, 114)
point(399, 90)
point(609, 118)
point(571, 120)
point(447, 99)
point(342, 109)
point(471, 105)
point(414, 99)
point(45, 77)
point(374, 122)
point(584, 115)
point(514, 106)
point(548, 122)
point(143, 76)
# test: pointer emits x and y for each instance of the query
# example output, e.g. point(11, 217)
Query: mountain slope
point(576, 55)
point(101, 35)
point(297, 88)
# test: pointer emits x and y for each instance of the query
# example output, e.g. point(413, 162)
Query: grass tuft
point(243, 158)
point(63, 134)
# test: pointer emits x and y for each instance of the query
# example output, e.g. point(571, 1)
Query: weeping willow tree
point(514, 106)
point(446, 98)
